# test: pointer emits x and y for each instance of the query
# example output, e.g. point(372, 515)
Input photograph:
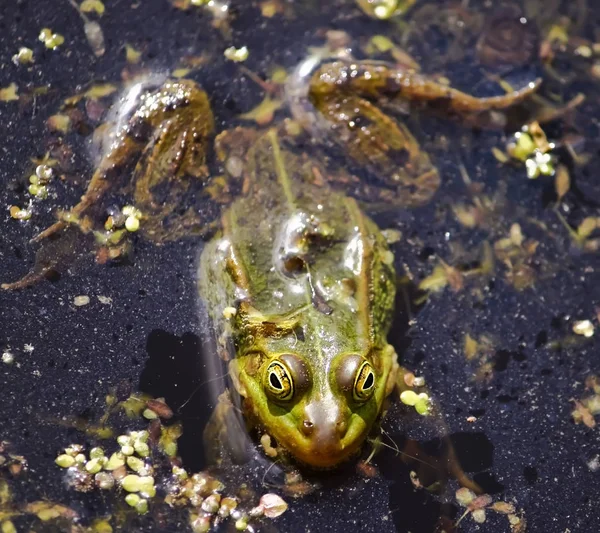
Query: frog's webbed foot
point(50, 257)
point(149, 164)
point(432, 469)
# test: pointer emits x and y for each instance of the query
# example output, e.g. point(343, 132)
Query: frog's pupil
point(275, 382)
point(369, 381)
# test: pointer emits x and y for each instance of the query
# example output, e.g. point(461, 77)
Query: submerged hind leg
point(150, 163)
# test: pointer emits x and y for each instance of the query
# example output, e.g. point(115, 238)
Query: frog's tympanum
point(298, 279)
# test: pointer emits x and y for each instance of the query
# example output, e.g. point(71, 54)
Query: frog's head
point(319, 411)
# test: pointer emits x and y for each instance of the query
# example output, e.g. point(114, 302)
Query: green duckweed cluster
point(131, 470)
point(23, 57)
point(38, 182)
point(38, 189)
point(421, 401)
point(50, 39)
point(531, 146)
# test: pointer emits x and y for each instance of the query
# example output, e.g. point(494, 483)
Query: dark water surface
point(524, 447)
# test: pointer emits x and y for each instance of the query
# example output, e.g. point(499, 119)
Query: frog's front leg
point(226, 428)
point(431, 468)
point(226, 436)
point(164, 143)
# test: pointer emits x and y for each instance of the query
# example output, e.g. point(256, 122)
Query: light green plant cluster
point(132, 470)
point(421, 401)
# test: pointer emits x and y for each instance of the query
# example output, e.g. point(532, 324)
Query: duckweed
point(583, 327)
point(117, 460)
point(23, 57)
point(50, 39)
point(93, 466)
point(133, 472)
point(19, 213)
point(127, 450)
point(131, 483)
point(132, 499)
point(237, 55)
point(409, 397)
point(65, 461)
point(132, 224)
point(421, 402)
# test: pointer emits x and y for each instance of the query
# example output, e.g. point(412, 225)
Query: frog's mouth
point(325, 460)
point(321, 450)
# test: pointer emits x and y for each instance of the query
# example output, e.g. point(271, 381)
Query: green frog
point(298, 279)
point(308, 283)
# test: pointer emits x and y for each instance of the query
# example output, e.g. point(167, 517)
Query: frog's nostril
point(341, 427)
point(307, 427)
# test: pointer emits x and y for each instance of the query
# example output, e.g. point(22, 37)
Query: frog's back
point(293, 246)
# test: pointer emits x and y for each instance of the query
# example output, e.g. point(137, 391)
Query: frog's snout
point(325, 427)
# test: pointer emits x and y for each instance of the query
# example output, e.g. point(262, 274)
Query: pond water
point(503, 301)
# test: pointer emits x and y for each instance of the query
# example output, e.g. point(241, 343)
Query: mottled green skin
point(277, 314)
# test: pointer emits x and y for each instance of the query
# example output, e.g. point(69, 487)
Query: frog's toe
point(53, 254)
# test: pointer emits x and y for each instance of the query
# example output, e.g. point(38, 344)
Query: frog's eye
point(286, 377)
point(279, 383)
point(364, 384)
point(357, 375)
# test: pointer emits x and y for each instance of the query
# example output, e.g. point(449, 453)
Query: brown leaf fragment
point(409, 379)
point(562, 182)
point(101, 90)
point(587, 227)
point(500, 155)
point(480, 502)
point(47, 510)
point(592, 245)
point(264, 112)
point(160, 408)
point(592, 382)
point(132, 55)
point(365, 469)
point(436, 281)
point(5, 493)
point(516, 234)
point(454, 277)
point(581, 414)
point(470, 347)
point(466, 215)
point(503, 507)
point(9, 94)
point(59, 123)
